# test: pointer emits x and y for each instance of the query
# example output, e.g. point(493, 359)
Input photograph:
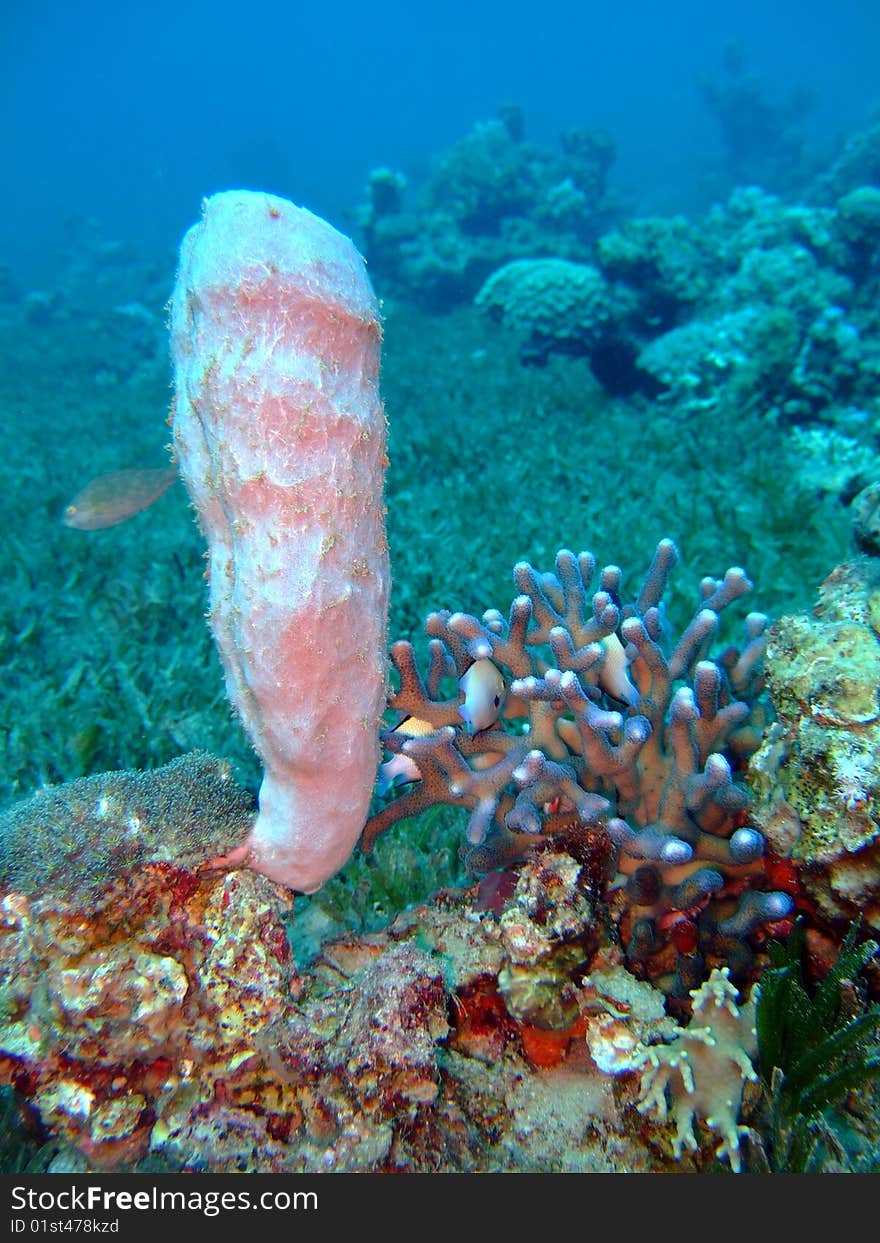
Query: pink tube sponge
point(280, 435)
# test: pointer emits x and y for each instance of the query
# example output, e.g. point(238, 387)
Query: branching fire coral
point(704, 1069)
point(599, 738)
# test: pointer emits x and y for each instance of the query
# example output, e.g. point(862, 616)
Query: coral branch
point(601, 730)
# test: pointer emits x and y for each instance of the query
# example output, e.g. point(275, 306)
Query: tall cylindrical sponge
point(280, 435)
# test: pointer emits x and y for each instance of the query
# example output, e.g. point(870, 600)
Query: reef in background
point(491, 197)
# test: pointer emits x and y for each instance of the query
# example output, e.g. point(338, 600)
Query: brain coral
point(550, 299)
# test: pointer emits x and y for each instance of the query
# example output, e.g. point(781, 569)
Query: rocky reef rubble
point(156, 1018)
point(816, 775)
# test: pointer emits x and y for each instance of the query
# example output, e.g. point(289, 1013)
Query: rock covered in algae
point(817, 773)
point(152, 1014)
point(865, 509)
point(119, 1011)
point(545, 927)
point(72, 839)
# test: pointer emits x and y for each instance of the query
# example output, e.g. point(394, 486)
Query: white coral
point(701, 1073)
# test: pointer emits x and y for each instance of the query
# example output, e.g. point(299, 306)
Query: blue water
point(130, 113)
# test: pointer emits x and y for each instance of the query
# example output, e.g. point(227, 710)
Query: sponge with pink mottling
point(280, 435)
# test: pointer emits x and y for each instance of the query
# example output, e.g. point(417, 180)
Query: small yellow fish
point(402, 769)
point(109, 499)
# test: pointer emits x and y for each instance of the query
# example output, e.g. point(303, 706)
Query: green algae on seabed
point(816, 1046)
